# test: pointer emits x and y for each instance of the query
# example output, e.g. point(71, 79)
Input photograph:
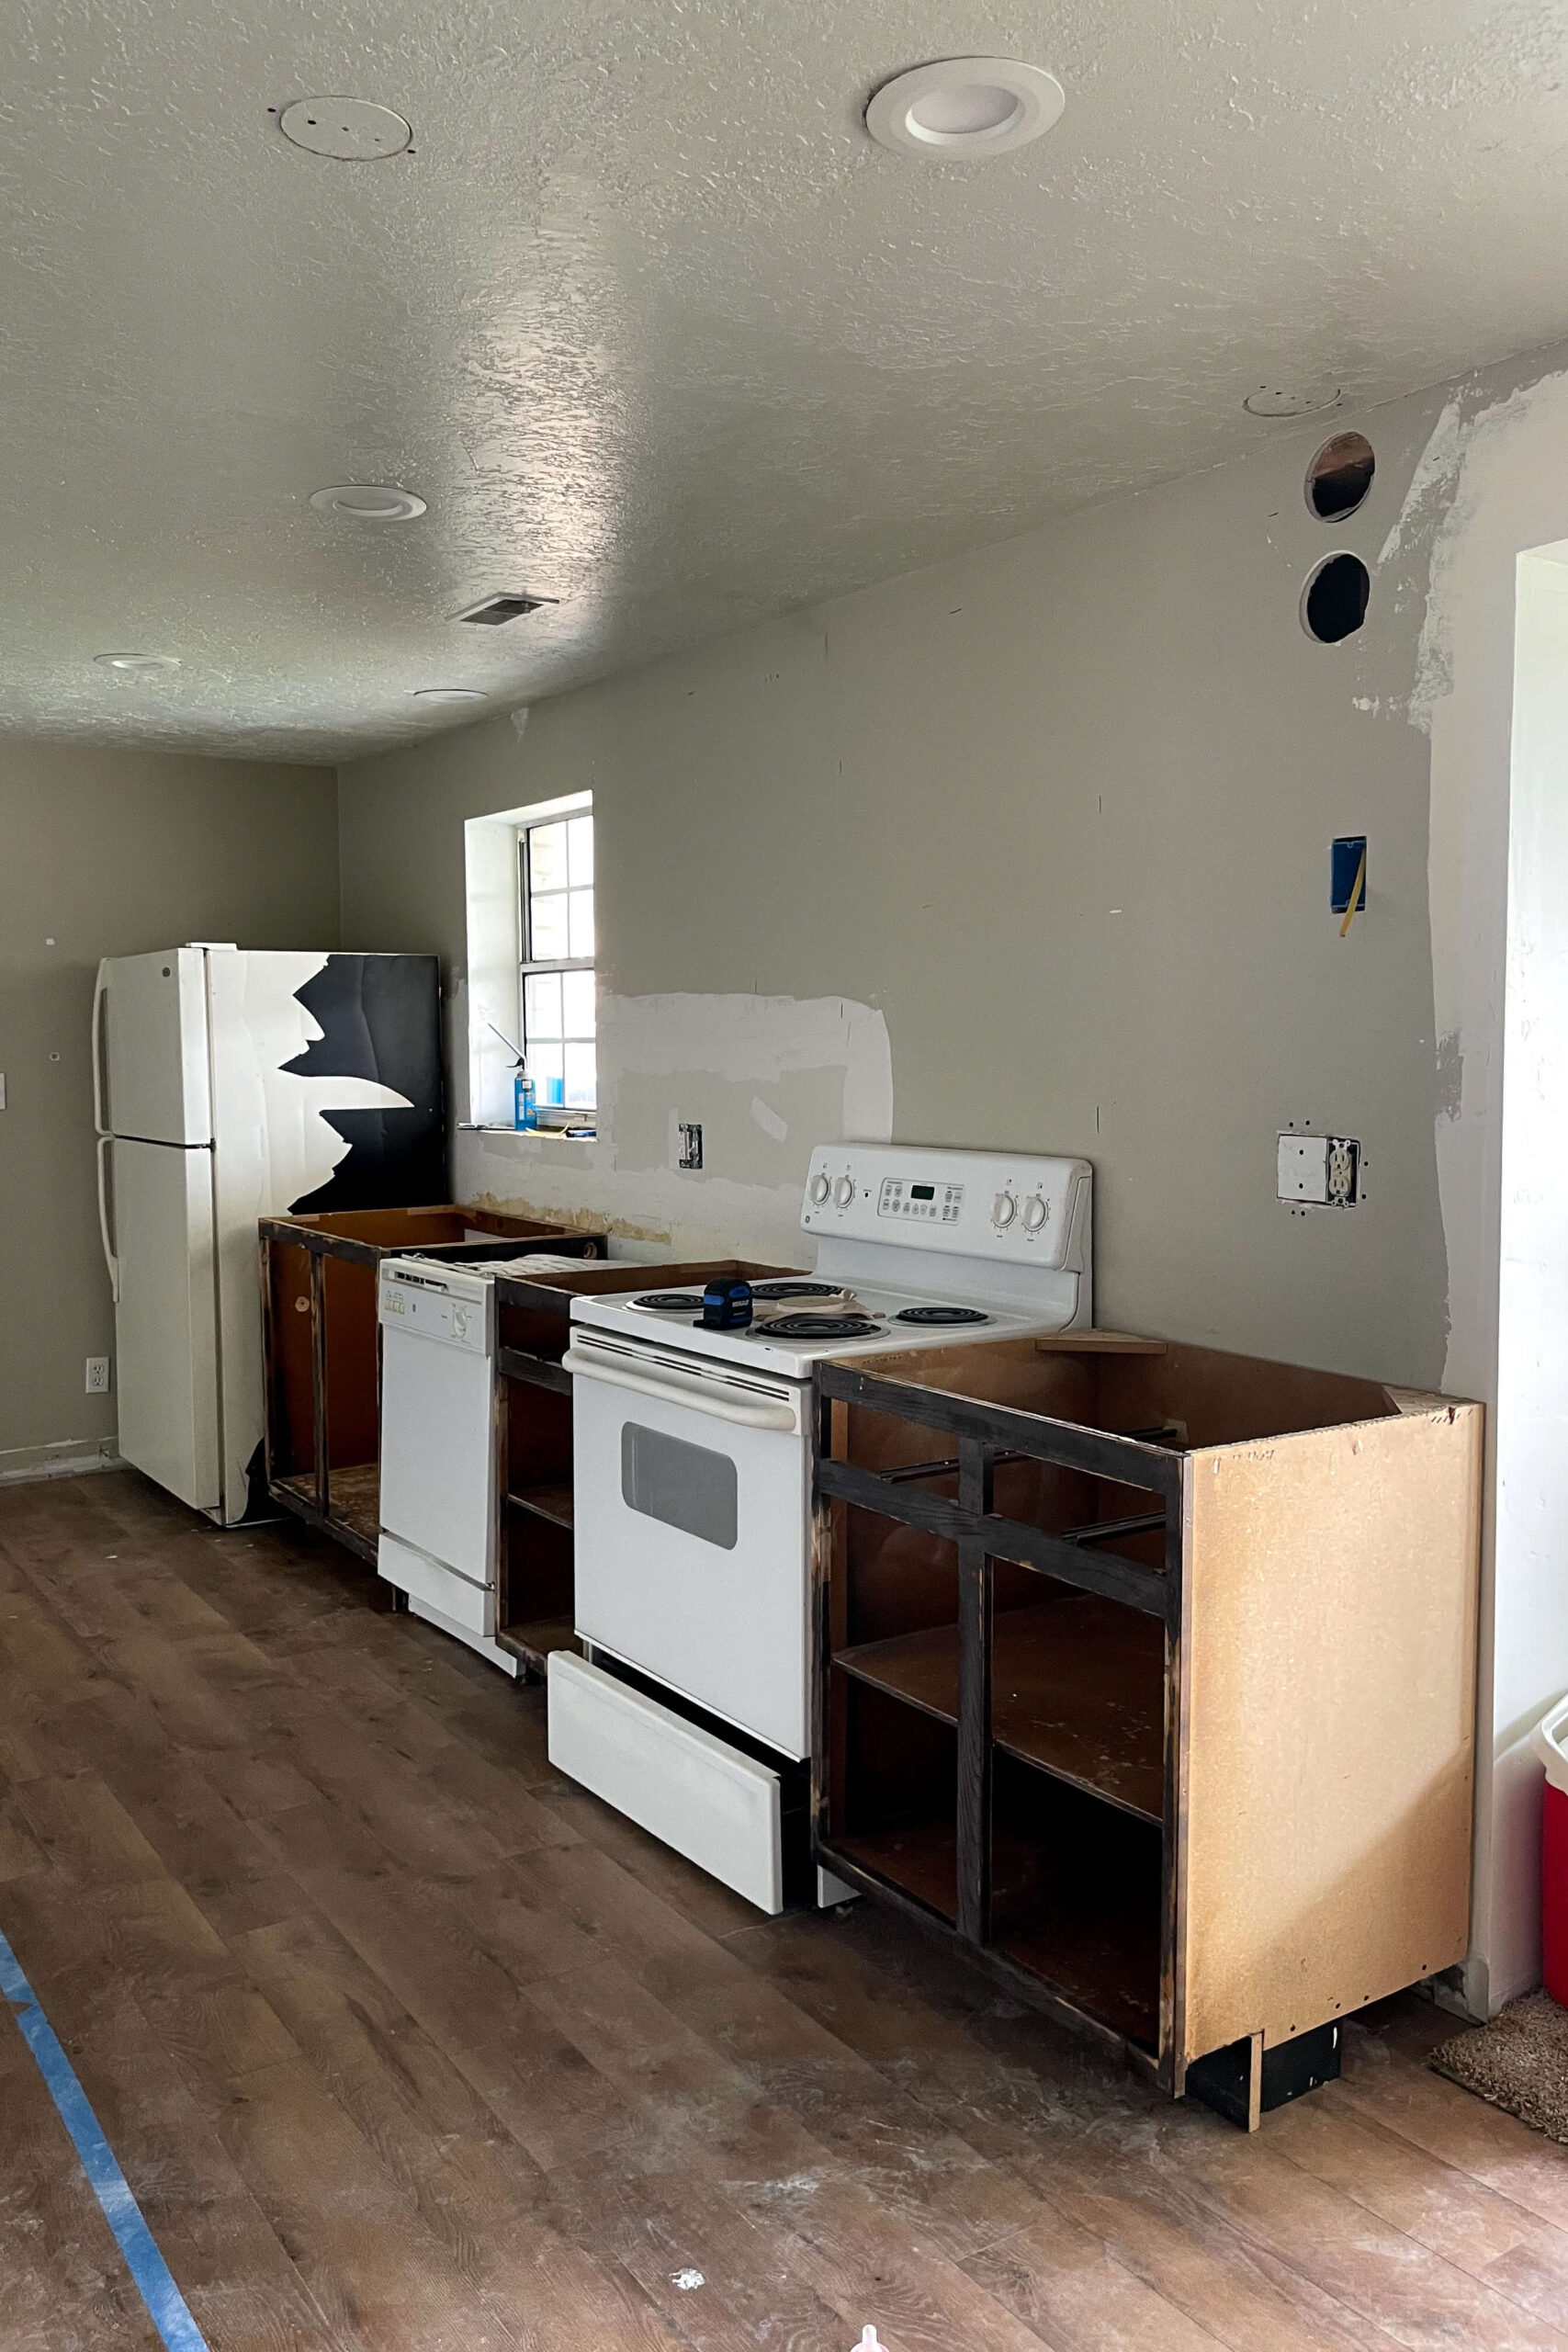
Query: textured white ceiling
point(658, 331)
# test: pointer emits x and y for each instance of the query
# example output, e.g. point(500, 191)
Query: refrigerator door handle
point(110, 1260)
point(101, 989)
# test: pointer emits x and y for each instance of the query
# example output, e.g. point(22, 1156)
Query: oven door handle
point(673, 1388)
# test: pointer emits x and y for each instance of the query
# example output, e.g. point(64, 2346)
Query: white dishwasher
point(438, 1441)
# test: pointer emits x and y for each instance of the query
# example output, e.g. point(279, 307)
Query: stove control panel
point(971, 1203)
point(904, 1196)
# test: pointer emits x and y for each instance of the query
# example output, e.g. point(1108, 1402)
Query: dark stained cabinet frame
point(322, 1347)
point(1137, 1754)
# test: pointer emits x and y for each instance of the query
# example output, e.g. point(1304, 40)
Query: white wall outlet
point(97, 1376)
point(1323, 1171)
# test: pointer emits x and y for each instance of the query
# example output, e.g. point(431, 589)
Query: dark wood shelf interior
point(895, 1772)
point(533, 1641)
point(354, 1496)
point(1075, 1893)
point(553, 1502)
point(921, 1859)
point(1077, 1686)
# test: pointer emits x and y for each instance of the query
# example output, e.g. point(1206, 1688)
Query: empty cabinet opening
point(893, 1775)
point(1075, 1895)
point(535, 1606)
point(354, 1403)
point(1161, 1392)
point(1078, 1690)
point(291, 1411)
point(538, 1446)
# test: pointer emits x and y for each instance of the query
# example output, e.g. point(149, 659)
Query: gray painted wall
point(1061, 810)
point(107, 854)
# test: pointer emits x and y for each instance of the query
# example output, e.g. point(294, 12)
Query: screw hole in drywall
point(1340, 476)
point(1334, 602)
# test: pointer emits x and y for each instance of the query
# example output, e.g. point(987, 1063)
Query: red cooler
point(1552, 1746)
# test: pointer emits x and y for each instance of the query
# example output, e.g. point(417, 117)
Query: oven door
point(693, 1529)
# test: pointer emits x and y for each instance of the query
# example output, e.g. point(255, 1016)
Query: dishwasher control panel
point(428, 1306)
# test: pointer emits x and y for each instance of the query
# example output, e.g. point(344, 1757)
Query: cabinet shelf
point(921, 1860)
point(1078, 1687)
point(1076, 1897)
point(553, 1502)
point(533, 1641)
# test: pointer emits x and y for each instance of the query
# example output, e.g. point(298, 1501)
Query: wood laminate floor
point(406, 2045)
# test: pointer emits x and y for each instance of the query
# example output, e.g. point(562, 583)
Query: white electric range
point(694, 1444)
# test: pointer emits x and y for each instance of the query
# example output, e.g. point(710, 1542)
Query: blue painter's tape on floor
point(163, 2299)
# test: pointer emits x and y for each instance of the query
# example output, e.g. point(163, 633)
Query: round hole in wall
point(1340, 476)
point(1334, 602)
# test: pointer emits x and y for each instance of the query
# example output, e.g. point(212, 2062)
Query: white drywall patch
point(767, 1078)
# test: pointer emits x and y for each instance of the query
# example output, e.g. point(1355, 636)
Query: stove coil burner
point(795, 1290)
point(667, 1302)
point(820, 1326)
point(941, 1315)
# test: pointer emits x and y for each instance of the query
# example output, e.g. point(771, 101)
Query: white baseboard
point(68, 1457)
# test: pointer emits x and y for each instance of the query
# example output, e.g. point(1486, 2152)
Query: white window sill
point(523, 1134)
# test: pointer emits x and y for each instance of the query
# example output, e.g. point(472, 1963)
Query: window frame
point(555, 1114)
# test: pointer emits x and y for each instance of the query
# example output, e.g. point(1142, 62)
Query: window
point(556, 887)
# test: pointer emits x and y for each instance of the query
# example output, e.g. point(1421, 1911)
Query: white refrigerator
point(227, 1085)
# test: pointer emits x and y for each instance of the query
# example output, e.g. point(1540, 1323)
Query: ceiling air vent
point(495, 610)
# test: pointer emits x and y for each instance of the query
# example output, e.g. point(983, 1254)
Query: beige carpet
point(1518, 2062)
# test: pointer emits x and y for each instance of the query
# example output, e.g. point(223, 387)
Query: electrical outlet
point(690, 1134)
point(97, 1376)
point(1321, 1172)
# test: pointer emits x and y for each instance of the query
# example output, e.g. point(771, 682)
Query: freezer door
point(151, 1047)
point(166, 1318)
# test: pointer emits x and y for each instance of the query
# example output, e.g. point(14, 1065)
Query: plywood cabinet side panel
point(1328, 1741)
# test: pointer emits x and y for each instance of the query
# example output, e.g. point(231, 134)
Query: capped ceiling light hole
point(368, 501)
point(497, 610)
point(1340, 476)
point(1334, 602)
point(965, 108)
point(1292, 400)
point(348, 131)
point(448, 694)
point(138, 664)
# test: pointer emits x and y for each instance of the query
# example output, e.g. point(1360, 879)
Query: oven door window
point(687, 1486)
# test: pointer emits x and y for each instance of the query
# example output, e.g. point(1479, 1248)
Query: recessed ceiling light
point(368, 501)
point(349, 130)
point(137, 661)
point(961, 109)
point(1293, 400)
point(448, 694)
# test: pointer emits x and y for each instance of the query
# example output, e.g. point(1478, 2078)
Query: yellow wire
point(1355, 895)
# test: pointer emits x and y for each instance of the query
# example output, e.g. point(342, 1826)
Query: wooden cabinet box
point(533, 1602)
point(322, 1343)
point(1150, 1671)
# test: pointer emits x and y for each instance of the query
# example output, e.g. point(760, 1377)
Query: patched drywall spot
point(1450, 1076)
point(767, 1078)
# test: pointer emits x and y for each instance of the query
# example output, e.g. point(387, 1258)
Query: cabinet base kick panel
point(721, 1809)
